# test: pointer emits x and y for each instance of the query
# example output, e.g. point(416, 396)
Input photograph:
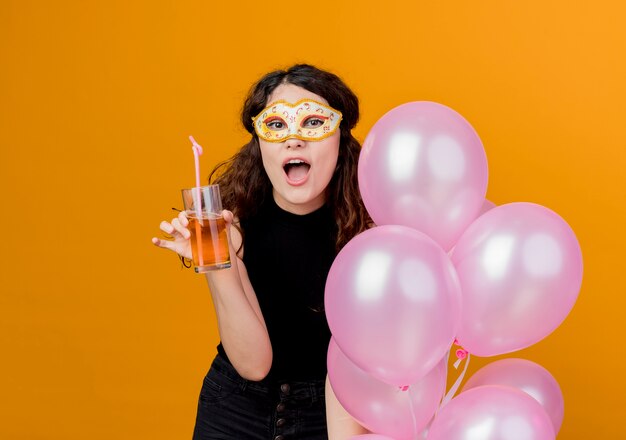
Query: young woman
point(294, 203)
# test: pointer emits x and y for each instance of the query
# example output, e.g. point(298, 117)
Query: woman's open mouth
point(297, 171)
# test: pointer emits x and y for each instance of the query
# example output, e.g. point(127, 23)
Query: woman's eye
point(313, 122)
point(275, 124)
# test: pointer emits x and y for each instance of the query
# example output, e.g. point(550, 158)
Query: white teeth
point(296, 161)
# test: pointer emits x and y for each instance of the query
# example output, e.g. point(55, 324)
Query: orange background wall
point(103, 336)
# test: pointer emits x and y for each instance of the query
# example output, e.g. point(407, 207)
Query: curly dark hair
point(243, 181)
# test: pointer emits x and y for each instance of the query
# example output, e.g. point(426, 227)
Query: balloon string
point(424, 434)
point(415, 433)
point(461, 354)
point(443, 393)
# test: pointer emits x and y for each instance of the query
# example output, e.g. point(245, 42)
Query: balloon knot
point(461, 353)
point(404, 388)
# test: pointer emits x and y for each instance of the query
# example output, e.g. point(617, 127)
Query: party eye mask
point(306, 119)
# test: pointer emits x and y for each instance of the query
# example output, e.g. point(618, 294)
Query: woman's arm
point(240, 322)
point(341, 425)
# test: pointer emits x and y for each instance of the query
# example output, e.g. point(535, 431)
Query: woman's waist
point(301, 380)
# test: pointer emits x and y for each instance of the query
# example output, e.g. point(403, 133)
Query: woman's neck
point(299, 208)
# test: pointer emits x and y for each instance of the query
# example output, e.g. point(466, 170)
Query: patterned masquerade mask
point(306, 119)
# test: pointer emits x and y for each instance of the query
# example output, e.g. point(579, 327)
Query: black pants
point(231, 407)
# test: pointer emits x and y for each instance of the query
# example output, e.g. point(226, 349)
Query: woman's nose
point(294, 143)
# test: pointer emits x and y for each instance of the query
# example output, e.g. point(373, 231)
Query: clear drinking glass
point(209, 243)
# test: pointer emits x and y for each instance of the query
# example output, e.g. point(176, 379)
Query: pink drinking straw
point(197, 151)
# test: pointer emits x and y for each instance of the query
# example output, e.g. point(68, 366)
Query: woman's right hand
point(177, 228)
